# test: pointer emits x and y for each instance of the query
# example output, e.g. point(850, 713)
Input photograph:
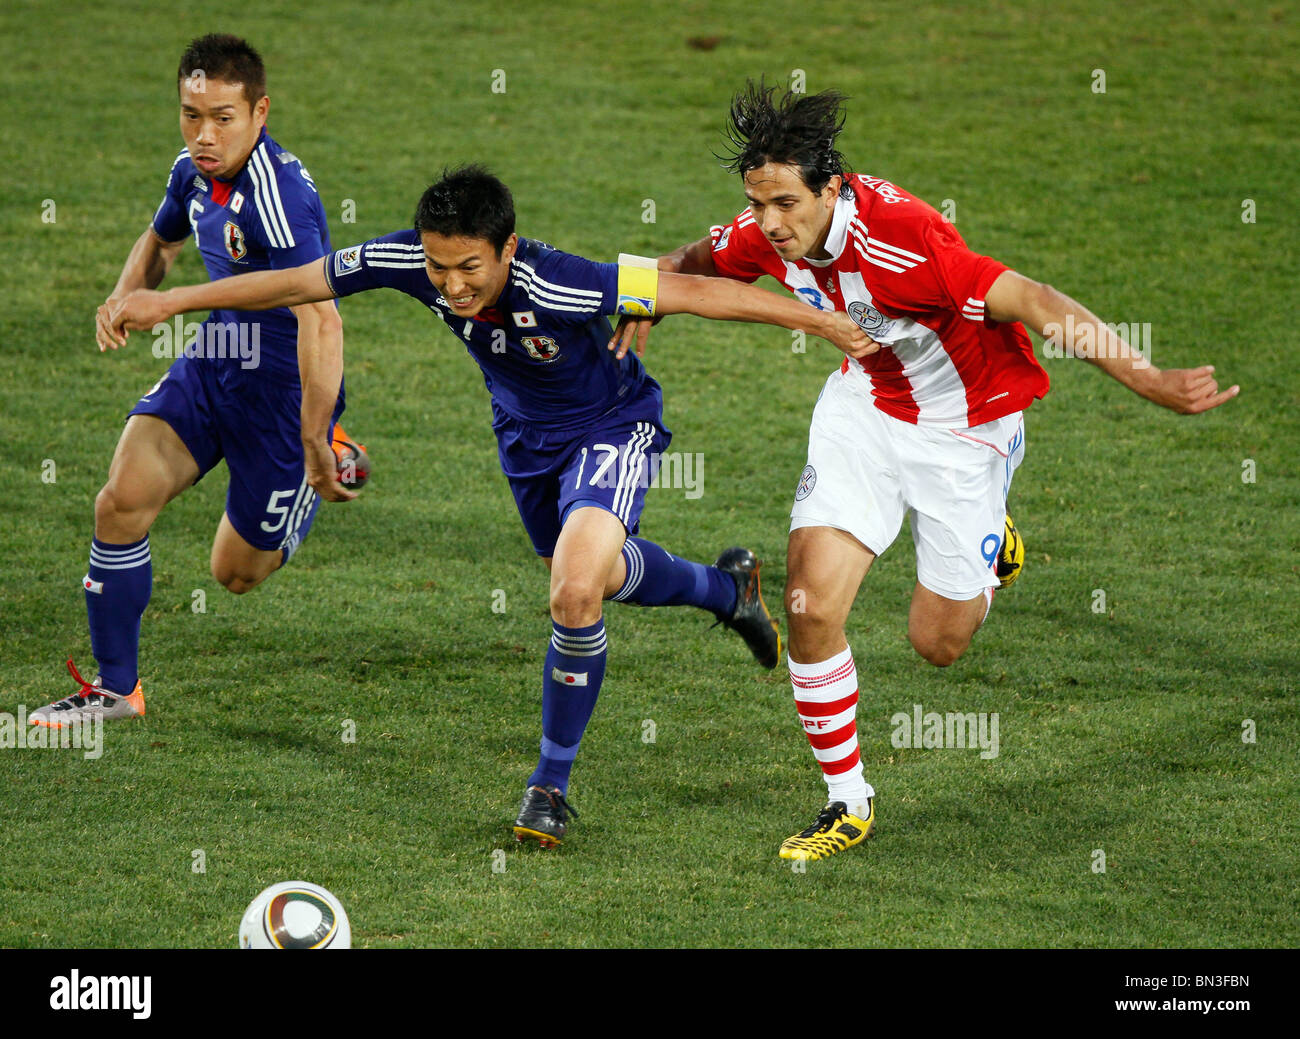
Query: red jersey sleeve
point(739, 249)
point(936, 269)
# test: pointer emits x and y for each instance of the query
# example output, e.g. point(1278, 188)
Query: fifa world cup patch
point(347, 261)
point(234, 239)
point(638, 285)
point(569, 677)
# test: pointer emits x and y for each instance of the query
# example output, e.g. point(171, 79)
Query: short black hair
point(468, 202)
point(227, 58)
point(796, 129)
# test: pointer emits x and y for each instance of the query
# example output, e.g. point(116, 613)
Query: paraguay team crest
point(807, 481)
point(869, 319)
point(234, 239)
point(541, 348)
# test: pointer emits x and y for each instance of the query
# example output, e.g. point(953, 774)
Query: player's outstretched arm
point(146, 265)
point(725, 300)
point(1056, 316)
point(262, 290)
point(692, 258)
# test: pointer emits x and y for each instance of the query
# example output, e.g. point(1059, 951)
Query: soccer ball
point(353, 464)
point(295, 915)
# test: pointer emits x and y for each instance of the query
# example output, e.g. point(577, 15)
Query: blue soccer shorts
point(253, 421)
point(609, 464)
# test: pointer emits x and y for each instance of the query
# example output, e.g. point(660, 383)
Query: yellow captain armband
point(638, 285)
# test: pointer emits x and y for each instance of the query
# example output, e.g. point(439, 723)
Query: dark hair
point(797, 129)
point(468, 202)
point(227, 58)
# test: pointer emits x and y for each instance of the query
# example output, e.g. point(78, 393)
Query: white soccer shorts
point(866, 470)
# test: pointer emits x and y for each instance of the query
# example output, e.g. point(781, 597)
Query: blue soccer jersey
point(269, 217)
point(541, 346)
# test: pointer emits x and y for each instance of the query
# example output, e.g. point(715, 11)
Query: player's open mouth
point(462, 302)
point(207, 162)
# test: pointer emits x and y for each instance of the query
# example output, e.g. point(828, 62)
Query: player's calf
point(941, 629)
point(237, 565)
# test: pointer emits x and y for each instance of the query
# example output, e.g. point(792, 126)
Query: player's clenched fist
point(142, 308)
point(849, 337)
point(321, 465)
point(104, 334)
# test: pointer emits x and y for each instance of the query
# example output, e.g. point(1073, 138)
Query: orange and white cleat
point(352, 460)
point(89, 702)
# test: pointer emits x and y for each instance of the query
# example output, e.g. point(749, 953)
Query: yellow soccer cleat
point(1011, 557)
point(835, 830)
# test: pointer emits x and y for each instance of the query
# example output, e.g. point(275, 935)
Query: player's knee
point(939, 648)
point(121, 514)
point(807, 611)
point(575, 602)
point(235, 579)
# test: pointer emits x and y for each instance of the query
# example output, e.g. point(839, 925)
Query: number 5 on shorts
point(274, 508)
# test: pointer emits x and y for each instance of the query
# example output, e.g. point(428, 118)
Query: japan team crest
point(541, 348)
point(234, 239)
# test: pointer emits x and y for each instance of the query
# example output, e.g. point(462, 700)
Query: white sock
point(826, 697)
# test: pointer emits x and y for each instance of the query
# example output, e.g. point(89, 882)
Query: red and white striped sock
point(826, 697)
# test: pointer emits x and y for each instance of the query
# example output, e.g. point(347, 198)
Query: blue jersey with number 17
point(542, 346)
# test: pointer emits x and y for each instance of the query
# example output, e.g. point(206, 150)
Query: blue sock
point(575, 666)
point(656, 577)
point(118, 586)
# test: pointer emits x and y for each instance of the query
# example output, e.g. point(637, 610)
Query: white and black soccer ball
point(295, 915)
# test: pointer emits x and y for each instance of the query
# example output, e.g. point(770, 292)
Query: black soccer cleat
point(750, 619)
point(543, 815)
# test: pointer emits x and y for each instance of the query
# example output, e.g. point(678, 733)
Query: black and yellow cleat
point(834, 830)
point(750, 619)
point(1011, 557)
point(543, 815)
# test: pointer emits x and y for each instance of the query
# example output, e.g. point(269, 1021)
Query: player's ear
point(832, 189)
point(508, 250)
point(261, 110)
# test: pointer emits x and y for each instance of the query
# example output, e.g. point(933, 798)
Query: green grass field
point(1120, 730)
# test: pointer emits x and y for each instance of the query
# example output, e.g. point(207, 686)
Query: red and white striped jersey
point(905, 276)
